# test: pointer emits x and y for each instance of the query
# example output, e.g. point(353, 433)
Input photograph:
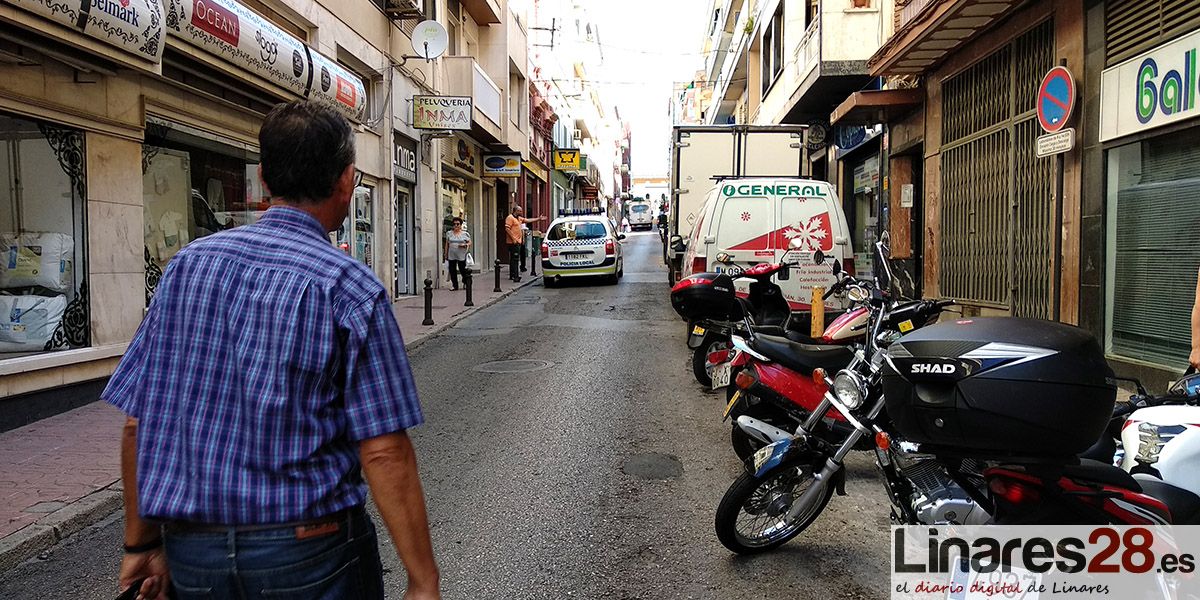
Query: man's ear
point(263, 181)
point(345, 184)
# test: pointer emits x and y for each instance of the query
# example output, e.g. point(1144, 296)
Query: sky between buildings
point(648, 45)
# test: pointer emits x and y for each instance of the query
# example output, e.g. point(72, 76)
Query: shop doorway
point(502, 208)
point(405, 282)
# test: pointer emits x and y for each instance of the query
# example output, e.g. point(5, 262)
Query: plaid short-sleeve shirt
point(265, 357)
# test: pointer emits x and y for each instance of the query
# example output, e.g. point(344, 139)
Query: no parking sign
point(1056, 99)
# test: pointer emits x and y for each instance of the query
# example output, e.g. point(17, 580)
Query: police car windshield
point(640, 208)
point(577, 230)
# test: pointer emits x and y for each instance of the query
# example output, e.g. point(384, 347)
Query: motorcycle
point(715, 311)
point(779, 389)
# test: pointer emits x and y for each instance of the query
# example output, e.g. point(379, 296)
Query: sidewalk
point(62, 474)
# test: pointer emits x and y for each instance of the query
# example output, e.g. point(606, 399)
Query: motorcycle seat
point(1183, 504)
point(777, 331)
point(800, 357)
point(1100, 472)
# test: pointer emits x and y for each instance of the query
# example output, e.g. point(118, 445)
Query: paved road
point(594, 476)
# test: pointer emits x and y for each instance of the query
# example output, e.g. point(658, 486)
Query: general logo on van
point(807, 191)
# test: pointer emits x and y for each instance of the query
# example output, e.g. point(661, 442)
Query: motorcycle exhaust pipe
point(761, 431)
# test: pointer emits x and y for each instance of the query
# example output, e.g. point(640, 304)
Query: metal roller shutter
point(1135, 26)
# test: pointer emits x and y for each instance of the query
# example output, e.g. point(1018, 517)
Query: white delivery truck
point(701, 155)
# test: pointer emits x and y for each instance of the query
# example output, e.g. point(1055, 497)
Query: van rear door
point(812, 218)
point(744, 228)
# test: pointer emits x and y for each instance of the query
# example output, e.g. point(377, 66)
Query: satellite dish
point(430, 39)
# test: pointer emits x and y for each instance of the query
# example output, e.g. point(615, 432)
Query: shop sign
point(135, 26)
point(502, 165)
point(866, 175)
point(441, 112)
point(405, 159)
point(537, 170)
point(566, 160)
point(464, 157)
point(1151, 90)
point(233, 32)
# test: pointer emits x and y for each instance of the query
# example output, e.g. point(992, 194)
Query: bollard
point(818, 312)
point(497, 276)
point(535, 255)
point(428, 300)
point(467, 285)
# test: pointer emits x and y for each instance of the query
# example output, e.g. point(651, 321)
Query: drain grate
point(513, 366)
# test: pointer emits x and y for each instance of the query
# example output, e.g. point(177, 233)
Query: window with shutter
point(1153, 254)
point(1135, 26)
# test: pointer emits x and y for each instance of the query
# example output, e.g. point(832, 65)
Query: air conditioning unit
point(577, 135)
point(404, 9)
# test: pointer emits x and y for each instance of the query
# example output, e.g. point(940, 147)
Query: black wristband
point(148, 546)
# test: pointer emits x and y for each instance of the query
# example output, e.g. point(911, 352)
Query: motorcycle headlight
point(850, 389)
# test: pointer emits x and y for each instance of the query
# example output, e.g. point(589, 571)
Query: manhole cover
point(514, 366)
point(653, 466)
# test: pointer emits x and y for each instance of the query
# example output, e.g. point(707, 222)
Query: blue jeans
point(273, 564)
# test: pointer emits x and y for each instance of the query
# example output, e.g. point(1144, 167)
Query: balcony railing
point(466, 78)
point(908, 11)
point(808, 53)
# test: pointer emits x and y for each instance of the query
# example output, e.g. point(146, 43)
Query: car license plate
point(730, 270)
point(698, 330)
point(732, 401)
point(720, 375)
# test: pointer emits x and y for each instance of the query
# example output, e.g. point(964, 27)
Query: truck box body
point(701, 153)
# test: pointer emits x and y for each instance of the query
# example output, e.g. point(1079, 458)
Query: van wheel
point(548, 282)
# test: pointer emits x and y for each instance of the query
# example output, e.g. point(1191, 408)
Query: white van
point(641, 215)
point(754, 220)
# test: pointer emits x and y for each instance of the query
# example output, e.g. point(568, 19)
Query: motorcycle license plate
point(720, 375)
point(697, 330)
point(970, 582)
point(732, 402)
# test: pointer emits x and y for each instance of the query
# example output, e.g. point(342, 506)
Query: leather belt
point(331, 523)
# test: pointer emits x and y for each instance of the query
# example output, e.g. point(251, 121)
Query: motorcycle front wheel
point(752, 516)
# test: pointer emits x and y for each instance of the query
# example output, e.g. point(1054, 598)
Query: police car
point(582, 243)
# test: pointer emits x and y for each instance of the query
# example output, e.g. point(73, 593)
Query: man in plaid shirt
point(267, 378)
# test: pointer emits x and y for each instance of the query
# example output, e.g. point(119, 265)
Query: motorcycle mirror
point(784, 273)
point(818, 258)
point(837, 267)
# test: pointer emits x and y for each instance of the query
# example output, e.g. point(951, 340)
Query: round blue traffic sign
point(1056, 99)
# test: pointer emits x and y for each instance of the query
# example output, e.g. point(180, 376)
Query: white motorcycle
point(1161, 440)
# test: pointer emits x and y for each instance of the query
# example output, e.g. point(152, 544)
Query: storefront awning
point(934, 30)
point(135, 26)
point(876, 106)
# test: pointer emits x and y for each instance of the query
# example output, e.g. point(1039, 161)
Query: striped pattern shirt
point(265, 357)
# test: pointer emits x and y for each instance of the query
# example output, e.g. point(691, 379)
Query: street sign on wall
point(1056, 99)
point(1056, 143)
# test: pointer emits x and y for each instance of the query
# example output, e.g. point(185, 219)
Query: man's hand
point(151, 566)
point(1194, 359)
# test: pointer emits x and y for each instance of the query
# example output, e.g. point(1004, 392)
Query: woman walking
point(458, 244)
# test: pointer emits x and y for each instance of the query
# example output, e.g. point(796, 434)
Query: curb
point(439, 328)
point(41, 535)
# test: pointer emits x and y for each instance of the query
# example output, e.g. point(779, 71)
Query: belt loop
point(350, 534)
point(231, 541)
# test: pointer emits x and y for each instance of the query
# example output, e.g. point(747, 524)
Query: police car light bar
point(576, 212)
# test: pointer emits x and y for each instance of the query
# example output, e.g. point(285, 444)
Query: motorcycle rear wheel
point(700, 364)
point(767, 496)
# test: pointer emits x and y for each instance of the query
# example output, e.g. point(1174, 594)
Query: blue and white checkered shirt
point(267, 354)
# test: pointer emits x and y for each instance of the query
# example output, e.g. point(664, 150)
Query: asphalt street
point(568, 453)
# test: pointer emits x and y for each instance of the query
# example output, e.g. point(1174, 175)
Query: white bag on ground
point(43, 259)
point(28, 322)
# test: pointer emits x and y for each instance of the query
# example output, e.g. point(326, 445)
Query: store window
point(43, 267)
point(1152, 254)
point(193, 187)
point(356, 236)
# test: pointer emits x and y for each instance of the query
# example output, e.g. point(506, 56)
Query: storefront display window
point(358, 239)
point(43, 267)
point(193, 187)
point(1153, 254)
